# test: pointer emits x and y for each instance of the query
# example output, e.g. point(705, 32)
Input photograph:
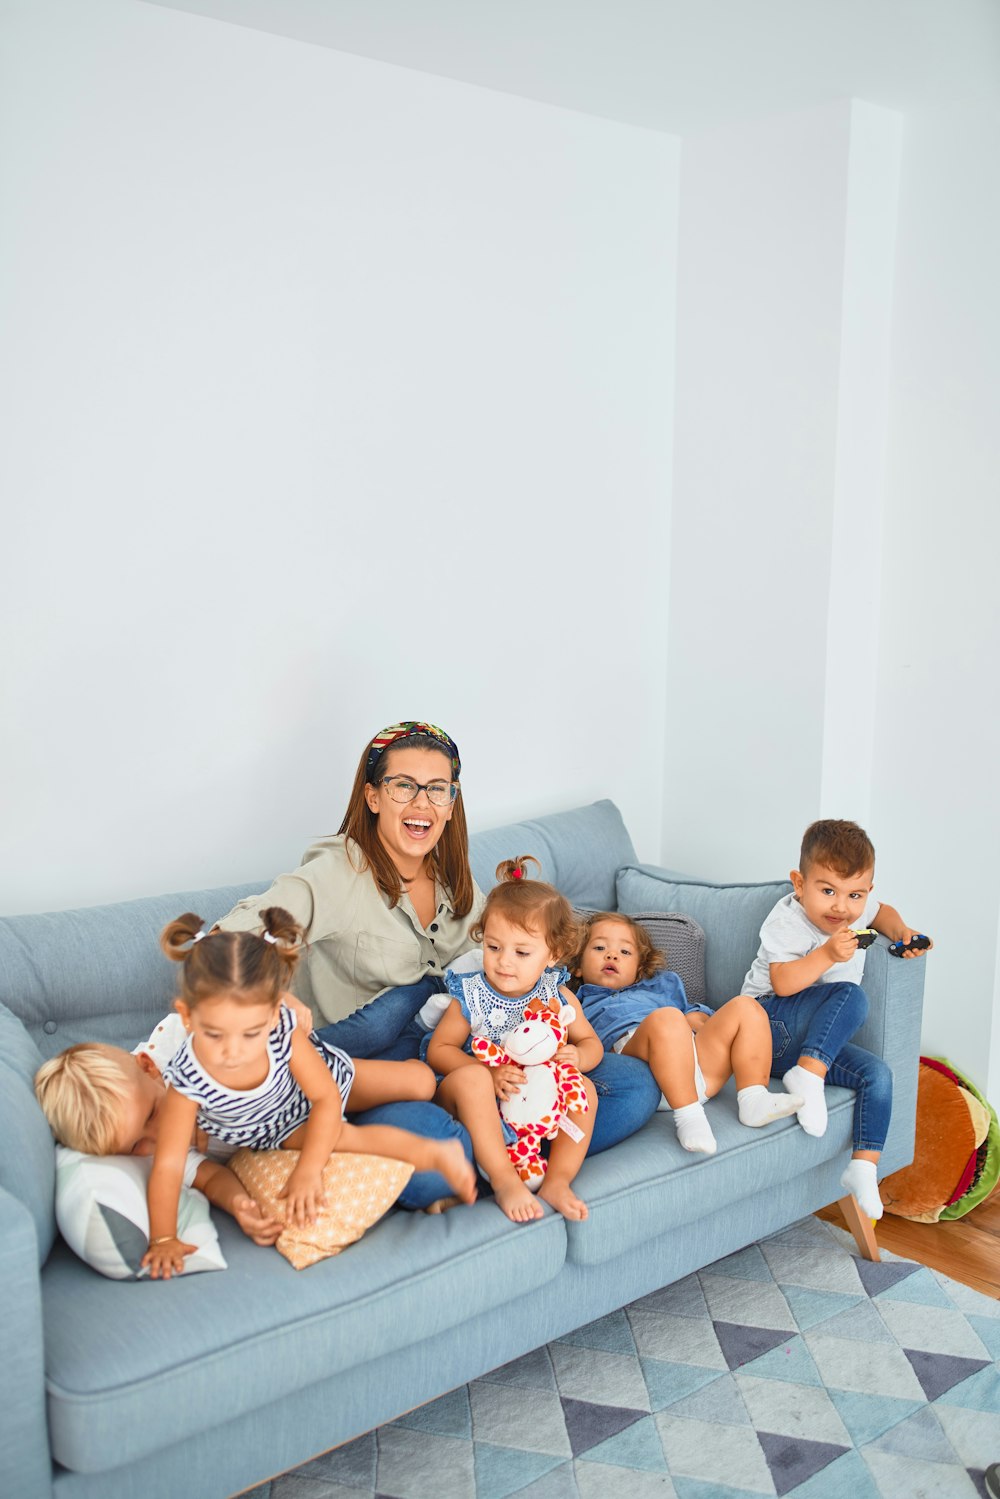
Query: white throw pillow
point(102, 1214)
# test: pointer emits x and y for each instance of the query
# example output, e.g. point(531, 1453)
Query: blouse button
point(431, 963)
point(434, 926)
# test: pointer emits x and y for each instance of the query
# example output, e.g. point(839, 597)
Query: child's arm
point(890, 924)
point(445, 1054)
point(165, 1255)
point(304, 1191)
point(801, 973)
point(226, 1191)
point(582, 1048)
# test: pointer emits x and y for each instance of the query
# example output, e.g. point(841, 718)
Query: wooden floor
point(967, 1249)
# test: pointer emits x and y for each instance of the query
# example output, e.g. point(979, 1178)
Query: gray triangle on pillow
point(130, 1242)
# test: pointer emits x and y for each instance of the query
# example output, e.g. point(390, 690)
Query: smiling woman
point(385, 905)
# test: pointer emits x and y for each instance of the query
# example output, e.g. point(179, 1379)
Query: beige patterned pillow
point(359, 1189)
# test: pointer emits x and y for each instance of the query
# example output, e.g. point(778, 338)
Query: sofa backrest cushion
point(98, 974)
point(731, 916)
point(579, 851)
point(27, 1157)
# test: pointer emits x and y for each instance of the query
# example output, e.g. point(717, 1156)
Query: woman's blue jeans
point(387, 1028)
point(819, 1022)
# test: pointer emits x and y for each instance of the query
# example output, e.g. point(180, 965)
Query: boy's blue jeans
point(387, 1028)
point(819, 1022)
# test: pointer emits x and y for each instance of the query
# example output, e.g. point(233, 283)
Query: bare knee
point(748, 1011)
point(665, 1023)
point(420, 1081)
point(465, 1083)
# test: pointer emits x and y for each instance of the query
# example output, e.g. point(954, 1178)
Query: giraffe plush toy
point(551, 1090)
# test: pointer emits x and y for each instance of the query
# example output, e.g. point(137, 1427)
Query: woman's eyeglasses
point(402, 789)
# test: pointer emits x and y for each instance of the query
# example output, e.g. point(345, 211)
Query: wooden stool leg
point(861, 1227)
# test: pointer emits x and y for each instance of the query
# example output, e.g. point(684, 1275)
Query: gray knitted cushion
point(682, 941)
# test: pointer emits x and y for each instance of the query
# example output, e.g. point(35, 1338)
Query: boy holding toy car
point(807, 976)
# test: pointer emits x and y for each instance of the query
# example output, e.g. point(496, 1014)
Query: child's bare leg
point(445, 1156)
point(565, 1159)
point(389, 1082)
point(737, 1039)
point(664, 1042)
point(467, 1093)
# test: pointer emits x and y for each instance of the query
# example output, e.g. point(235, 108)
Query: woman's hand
point(303, 1192)
point(303, 1015)
point(166, 1258)
point(507, 1080)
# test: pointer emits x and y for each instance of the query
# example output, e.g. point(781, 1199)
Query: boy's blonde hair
point(83, 1093)
point(648, 956)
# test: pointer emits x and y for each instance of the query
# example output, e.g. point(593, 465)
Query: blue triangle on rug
point(940, 1372)
point(868, 1416)
point(504, 1470)
point(741, 1344)
point(587, 1424)
point(637, 1446)
point(879, 1275)
point(794, 1459)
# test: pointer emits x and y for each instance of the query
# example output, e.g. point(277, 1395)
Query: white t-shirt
point(788, 934)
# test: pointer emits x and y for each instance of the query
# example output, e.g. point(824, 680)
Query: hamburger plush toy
point(956, 1153)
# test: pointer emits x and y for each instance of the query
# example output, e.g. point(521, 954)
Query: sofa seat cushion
point(731, 916)
point(136, 1366)
point(648, 1184)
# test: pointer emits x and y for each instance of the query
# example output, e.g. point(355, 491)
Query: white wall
point(334, 393)
point(833, 627)
point(784, 274)
point(938, 740)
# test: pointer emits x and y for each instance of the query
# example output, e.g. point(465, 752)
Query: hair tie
point(517, 874)
point(268, 938)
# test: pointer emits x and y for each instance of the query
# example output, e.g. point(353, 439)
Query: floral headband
point(409, 729)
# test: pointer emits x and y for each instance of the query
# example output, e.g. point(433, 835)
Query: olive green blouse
point(358, 947)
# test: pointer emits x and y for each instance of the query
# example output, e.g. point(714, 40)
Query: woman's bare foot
point(448, 1157)
point(558, 1193)
point(515, 1200)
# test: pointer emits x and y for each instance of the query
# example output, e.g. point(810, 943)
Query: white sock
point(758, 1106)
point(812, 1114)
point(861, 1178)
point(693, 1129)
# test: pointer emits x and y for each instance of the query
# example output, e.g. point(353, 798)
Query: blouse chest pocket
point(385, 962)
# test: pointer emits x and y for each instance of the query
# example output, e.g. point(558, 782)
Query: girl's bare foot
point(515, 1200)
point(560, 1195)
point(448, 1157)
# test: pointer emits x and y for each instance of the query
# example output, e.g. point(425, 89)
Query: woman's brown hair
point(449, 857)
point(648, 956)
point(253, 968)
point(533, 905)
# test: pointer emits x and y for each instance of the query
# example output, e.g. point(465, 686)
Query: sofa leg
point(861, 1227)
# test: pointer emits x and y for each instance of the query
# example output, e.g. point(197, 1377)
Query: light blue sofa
point(210, 1384)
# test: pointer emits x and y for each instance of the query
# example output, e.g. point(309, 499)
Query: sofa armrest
point(895, 990)
point(25, 1462)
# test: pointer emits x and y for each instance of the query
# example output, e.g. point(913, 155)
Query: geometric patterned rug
point(793, 1368)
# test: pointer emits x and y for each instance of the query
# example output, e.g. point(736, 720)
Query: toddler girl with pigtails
point(249, 1076)
point(528, 931)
